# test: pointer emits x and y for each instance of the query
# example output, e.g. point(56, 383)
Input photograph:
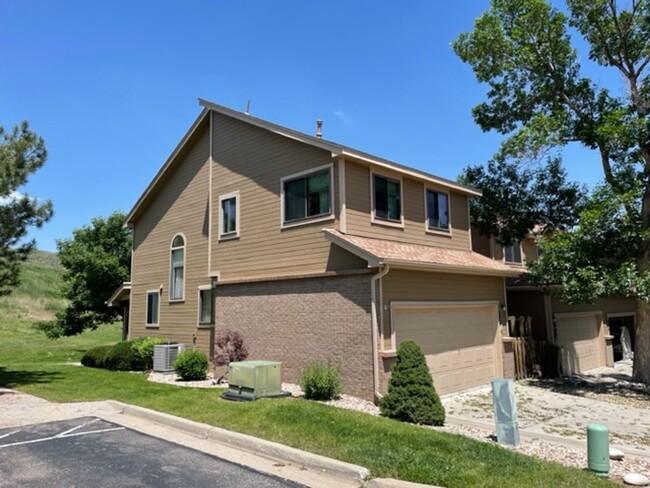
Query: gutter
point(383, 271)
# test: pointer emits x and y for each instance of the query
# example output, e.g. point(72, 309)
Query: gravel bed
point(536, 448)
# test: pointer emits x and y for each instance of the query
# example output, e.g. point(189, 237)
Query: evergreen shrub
point(121, 357)
point(191, 365)
point(411, 395)
point(94, 358)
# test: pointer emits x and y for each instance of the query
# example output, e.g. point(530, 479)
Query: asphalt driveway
point(89, 451)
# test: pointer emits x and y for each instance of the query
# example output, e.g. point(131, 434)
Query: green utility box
point(250, 380)
point(598, 449)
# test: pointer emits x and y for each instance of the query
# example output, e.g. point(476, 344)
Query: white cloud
point(343, 117)
point(13, 196)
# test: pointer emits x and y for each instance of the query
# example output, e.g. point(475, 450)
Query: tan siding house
point(312, 251)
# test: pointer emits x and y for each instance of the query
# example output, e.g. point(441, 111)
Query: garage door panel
point(458, 342)
point(580, 342)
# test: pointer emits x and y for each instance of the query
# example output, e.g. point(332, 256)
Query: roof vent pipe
point(319, 128)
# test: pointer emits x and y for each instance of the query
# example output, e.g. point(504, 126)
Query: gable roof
point(337, 150)
point(417, 256)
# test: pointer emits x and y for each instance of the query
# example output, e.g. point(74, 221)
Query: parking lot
point(89, 451)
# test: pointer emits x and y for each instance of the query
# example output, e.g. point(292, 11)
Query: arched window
point(177, 272)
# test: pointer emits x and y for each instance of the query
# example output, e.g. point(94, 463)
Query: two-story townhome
point(312, 251)
point(588, 334)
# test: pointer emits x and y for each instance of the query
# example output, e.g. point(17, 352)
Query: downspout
point(383, 271)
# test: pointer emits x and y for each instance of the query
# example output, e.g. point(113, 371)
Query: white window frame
point(373, 214)
point(307, 220)
point(229, 235)
point(146, 310)
point(521, 255)
point(203, 288)
point(436, 230)
point(171, 268)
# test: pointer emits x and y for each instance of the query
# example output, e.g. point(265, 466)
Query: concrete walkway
point(560, 411)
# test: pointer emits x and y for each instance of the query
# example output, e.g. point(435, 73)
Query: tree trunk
point(642, 343)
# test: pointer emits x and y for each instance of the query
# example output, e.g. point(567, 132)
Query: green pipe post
point(598, 449)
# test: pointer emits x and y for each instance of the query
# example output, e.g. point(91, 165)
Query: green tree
point(97, 260)
point(518, 198)
point(539, 98)
point(22, 152)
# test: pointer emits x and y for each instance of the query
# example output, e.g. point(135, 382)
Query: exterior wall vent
point(164, 356)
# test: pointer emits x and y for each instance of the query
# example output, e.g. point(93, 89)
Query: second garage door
point(581, 342)
point(459, 340)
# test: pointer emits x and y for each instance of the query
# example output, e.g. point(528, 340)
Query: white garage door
point(581, 342)
point(459, 340)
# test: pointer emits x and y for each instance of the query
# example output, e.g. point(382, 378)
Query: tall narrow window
point(229, 216)
point(206, 306)
point(387, 198)
point(513, 253)
point(153, 301)
point(437, 210)
point(177, 275)
point(307, 196)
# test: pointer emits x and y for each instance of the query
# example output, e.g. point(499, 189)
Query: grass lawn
point(31, 363)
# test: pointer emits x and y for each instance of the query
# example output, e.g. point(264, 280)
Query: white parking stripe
point(63, 434)
point(60, 436)
point(8, 434)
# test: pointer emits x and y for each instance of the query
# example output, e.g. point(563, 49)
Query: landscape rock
point(616, 454)
point(636, 479)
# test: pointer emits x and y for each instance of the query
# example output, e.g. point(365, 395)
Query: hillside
point(39, 295)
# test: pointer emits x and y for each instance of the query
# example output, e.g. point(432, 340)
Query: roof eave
point(448, 268)
point(116, 297)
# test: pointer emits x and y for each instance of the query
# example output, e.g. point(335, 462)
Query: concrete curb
point(390, 483)
point(260, 447)
point(532, 435)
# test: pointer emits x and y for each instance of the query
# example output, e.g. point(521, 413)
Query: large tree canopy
point(540, 98)
point(519, 198)
point(22, 152)
point(97, 260)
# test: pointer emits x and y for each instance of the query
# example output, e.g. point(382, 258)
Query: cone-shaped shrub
point(411, 395)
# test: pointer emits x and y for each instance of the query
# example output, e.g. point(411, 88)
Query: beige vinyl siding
point(359, 201)
point(253, 161)
point(528, 250)
point(481, 244)
point(180, 205)
point(605, 305)
point(406, 285)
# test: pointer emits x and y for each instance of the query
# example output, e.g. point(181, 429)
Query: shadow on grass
point(13, 378)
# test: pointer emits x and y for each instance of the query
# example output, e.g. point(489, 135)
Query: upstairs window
point(437, 210)
point(387, 198)
point(512, 253)
point(229, 216)
point(307, 196)
point(177, 272)
point(153, 304)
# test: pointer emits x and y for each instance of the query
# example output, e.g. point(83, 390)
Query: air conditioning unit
point(250, 380)
point(164, 356)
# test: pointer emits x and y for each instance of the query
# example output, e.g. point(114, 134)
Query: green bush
point(320, 381)
point(121, 357)
point(411, 395)
point(191, 365)
point(143, 350)
point(94, 358)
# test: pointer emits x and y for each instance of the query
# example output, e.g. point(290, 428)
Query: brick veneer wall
point(298, 321)
point(508, 359)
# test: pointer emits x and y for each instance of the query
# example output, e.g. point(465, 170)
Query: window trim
point(230, 235)
point(373, 215)
point(521, 255)
point(171, 274)
point(205, 325)
point(436, 230)
point(153, 325)
point(307, 220)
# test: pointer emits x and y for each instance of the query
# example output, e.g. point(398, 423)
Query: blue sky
point(113, 86)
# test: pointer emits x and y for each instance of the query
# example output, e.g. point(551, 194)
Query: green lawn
point(31, 363)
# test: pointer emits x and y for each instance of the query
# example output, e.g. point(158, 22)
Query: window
point(229, 216)
point(153, 304)
point(206, 306)
point(387, 195)
point(177, 275)
point(307, 196)
point(437, 210)
point(513, 253)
